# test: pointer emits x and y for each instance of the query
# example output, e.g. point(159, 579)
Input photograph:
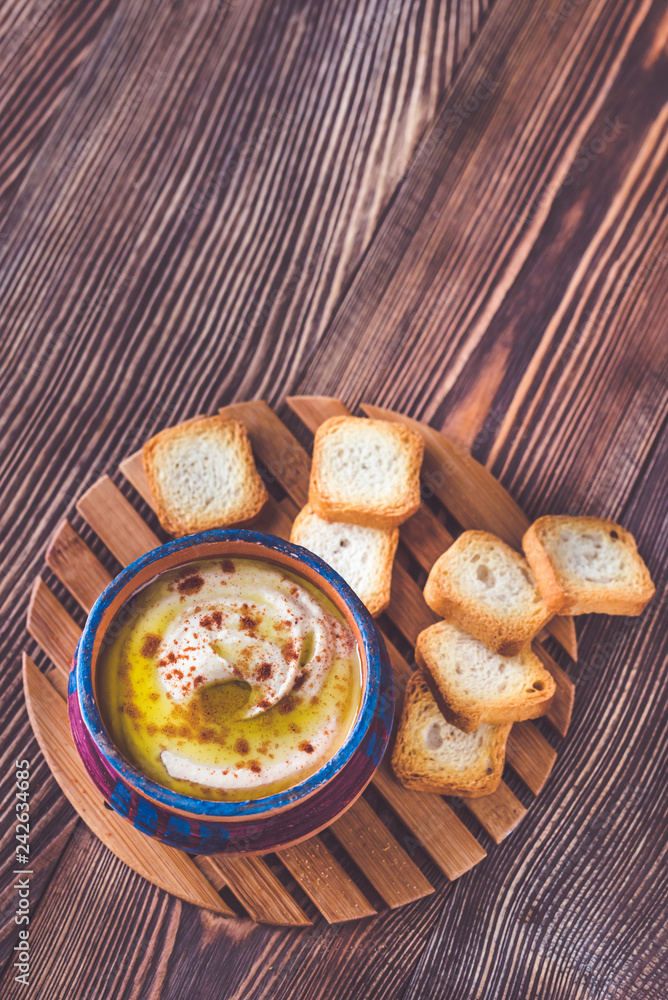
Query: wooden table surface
point(454, 209)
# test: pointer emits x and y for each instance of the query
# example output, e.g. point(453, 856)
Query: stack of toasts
point(365, 482)
point(476, 671)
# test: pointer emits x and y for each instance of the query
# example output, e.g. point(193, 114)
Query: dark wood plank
point(527, 311)
point(256, 887)
point(576, 439)
point(475, 498)
point(43, 48)
point(528, 752)
point(116, 522)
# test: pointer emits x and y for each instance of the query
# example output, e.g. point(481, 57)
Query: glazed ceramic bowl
point(251, 826)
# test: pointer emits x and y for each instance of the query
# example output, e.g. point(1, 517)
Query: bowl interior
point(102, 623)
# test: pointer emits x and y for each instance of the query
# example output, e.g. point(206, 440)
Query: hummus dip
point(229, 679)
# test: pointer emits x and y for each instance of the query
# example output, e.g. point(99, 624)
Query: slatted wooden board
point(461, 493)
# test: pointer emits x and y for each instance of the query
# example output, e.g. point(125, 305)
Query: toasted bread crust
point(411, 762)
point(546, 578)
point(563, 593)
point(333, 505)
point(467, 723)
point(184, 523)
point(505, 633)
point(467, 712)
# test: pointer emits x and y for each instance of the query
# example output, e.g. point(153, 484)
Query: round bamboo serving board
point(453, 483)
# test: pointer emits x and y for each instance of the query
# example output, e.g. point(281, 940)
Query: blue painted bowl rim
point(371, 643)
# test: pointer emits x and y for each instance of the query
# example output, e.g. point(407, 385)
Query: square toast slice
point(430, 755)
point(472, 684)
point(365, 472)
point(587, 564)
point(202, 475)
point(362, 555)
point(489, 590)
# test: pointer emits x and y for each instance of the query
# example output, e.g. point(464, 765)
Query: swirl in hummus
point(230, 679)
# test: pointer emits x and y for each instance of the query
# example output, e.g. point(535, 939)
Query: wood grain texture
point(256, 887)
point(285, 459)
point(498, 813)
point(76, 566)
point(395, 877)
point(116, 522)
point(384, 862)
point(325, 882)
point(171, 244)
point(52, 628)
point(288, 463)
